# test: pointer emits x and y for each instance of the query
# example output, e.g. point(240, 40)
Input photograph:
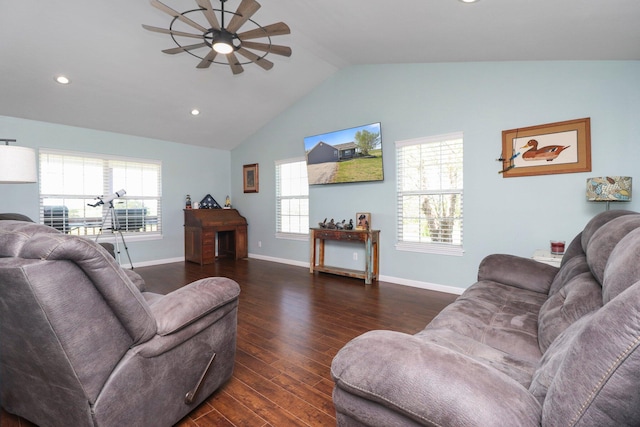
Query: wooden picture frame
point(562, 147)
point(250, 178)
point(363, 221)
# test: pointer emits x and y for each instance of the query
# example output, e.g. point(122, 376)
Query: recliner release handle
point(190, 397)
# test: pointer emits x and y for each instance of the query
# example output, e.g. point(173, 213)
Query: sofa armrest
point(524, 273)
point(186, 312)
point(430, 384)
point(186, 305)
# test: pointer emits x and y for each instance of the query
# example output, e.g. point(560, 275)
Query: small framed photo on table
point(250, 178)
point(363, 221)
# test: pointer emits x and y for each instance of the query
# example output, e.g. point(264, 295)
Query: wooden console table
point(202, 226)
point(368, 237)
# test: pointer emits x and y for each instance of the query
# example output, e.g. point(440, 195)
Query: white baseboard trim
point(280, 260)
point(422, 285)
point(397, 280)
point(153, 262)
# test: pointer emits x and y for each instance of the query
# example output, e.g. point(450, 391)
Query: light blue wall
point(186, 170)
point(514, 215)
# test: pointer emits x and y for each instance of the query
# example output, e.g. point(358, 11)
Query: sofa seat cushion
point(515, 367)
point(427, 383)
point(494, 324)
point(496, 315)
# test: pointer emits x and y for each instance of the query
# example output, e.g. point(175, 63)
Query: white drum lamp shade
point(17, 164)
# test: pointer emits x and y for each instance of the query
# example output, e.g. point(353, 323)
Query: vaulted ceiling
point(122, 82)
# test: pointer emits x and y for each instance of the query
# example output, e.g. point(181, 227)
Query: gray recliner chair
point(81, 345)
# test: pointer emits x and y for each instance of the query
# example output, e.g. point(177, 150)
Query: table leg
point(321, 254)
point(368, 261)
point(312, 260)
point(376, 261)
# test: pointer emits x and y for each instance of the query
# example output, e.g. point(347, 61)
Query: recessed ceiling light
point(195, 112)
point(469, 1)
point(63, 80)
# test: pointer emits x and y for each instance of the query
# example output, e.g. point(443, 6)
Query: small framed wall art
point(363, 221)
point(250, 179)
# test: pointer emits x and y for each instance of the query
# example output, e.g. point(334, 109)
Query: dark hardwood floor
point(290, 326)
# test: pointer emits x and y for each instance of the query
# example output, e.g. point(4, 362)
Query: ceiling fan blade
point(276, 29)
point(166, 9)
point(209, 14)
point(236, 68)
point(271, 48)
point(175, 33)
point(180, 49)
point(206, 61)
point(264, 63)
point(244, 12)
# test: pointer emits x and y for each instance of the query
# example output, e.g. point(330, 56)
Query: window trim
point(303, 236)
point(427, 247)
point(105, 159)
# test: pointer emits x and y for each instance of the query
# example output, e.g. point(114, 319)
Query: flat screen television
point(348, 155)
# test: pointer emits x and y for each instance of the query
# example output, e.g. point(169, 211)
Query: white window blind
point(430, 194)
point(292, 198)
point(70, 182)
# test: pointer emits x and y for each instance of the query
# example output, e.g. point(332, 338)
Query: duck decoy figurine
point(548, 152)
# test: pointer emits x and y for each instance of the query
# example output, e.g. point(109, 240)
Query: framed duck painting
point(562, 147)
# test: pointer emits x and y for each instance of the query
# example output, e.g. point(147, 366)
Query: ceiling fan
point(218, 39)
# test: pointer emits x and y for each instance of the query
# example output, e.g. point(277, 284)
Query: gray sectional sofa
point(527, 345)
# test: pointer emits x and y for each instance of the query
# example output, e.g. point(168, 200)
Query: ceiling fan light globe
point(223, 48)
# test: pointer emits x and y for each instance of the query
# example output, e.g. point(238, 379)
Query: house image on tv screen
point(324, 152)
point(349, 155)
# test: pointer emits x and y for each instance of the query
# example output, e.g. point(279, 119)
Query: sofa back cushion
point(553, 358)
point(605, 239)
point(580, 295)
point(574, 248)
point(589, 376)
point(590, 373)
point(623, 268)
point(569, 269)
point(576, 289)
point(598, 221)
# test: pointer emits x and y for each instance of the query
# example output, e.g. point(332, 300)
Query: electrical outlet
point(259, 243)
point(355, 256)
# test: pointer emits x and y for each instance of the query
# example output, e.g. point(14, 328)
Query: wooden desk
point(370, 240)
point(202, 226)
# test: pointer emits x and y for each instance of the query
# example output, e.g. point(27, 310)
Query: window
point(71, 182)
point(292, 198)
point(430, 194)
